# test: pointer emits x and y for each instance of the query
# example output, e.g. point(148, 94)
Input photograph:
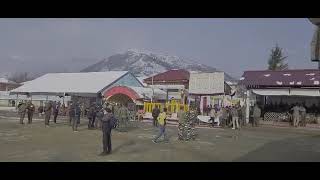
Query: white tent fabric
point(305, 92)
point(271, 92)
point(73, 83)
point(287, 92)
point(147, 92)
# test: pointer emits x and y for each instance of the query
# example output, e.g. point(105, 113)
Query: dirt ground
point(59, 143)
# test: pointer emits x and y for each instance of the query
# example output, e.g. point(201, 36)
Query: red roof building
point(171, 77)
point(298, 78)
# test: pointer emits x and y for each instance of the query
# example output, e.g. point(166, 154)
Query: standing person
point(22, 111)
point(30, 109)
point(296, 115)
point(91, 115)
point(224, 116)
point(303, 116)
point(76, 119)
point(155, 114)
point(123, 115)
point(212, 114)
point(191, 118)
point(162, 126)
point(40, 110)
point(256, 115)
point(47, 111)
point(243, 114)
point(56, 112)
point(106, 132)
point(70, 112)
point(54, 104)
point(82, 110)
point(182, 120)
point(99, 118)
point(72, 115)
point(235, 117)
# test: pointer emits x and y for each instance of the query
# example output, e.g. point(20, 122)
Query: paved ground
point(58, 143)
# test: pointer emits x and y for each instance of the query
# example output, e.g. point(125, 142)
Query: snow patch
point(299, 83)
point(267, 75)
point(316, 82)
point(279, 82)
point(310, 74)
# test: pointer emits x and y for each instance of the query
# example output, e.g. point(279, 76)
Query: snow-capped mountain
point(146, 63)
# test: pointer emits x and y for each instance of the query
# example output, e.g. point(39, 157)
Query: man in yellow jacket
point(162, 126)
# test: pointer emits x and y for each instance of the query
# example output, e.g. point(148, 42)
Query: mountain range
point(146, 63)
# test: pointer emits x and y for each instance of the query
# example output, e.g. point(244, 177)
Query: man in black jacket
point(47, 111)
point(106, 131)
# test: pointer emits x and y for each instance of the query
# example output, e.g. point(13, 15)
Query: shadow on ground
point(302, 149)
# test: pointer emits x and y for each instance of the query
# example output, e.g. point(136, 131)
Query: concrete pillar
point(248, 106)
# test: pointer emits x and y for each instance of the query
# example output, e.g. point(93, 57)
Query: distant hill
point(146, 63)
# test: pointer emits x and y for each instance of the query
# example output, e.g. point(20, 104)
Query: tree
point(277, 59)
point(20, 77)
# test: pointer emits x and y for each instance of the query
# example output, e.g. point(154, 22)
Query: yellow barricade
point(172, 107)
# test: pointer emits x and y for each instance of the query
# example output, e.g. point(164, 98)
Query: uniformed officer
point(22, 111)
point(30, 109)
point(76, 118)
point(296, 115)
point(100, 114)
point(70, 113)
point(56, 109)
point(191, 118)
point(256, 115)
point(92, 115)
point(47, 112)
point(123, 117)
point(235, 117)
point(106, 132)
point(303, 116)
point(182, 120)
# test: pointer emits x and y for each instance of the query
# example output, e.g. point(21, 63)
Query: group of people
point(299, 115)
point(24, 108)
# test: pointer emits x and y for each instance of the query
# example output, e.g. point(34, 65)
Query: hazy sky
point(232, 45)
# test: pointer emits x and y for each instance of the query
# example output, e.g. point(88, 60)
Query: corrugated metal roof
point(171, 75)
point(284, 78)
point(90, 83)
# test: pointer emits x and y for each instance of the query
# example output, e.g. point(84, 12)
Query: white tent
point(81, 84)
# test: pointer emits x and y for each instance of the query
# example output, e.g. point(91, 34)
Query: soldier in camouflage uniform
point(182, 122)
point(48, 112)
point(22, 111)
point(191, 117)
point(123, 117)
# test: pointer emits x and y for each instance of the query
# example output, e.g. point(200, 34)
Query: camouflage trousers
point(186, 131)
point(122, 124)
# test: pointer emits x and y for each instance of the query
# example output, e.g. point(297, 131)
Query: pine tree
point(277, 60)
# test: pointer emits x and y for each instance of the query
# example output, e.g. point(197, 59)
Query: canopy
point(77, 84)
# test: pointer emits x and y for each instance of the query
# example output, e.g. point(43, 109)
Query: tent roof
point(73, 83)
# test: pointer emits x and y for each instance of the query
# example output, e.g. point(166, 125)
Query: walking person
point(47, 112)
point(235, 117)
point(256, 115)
point(106, 132)
point(162, 126)
point(22, 111)
point(155, 114)
point(30, 111)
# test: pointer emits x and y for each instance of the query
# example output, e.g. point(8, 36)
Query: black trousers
point(55, 115)
point(91, 122)
point(155, 121)
point(106, 138)
point(30, 115)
